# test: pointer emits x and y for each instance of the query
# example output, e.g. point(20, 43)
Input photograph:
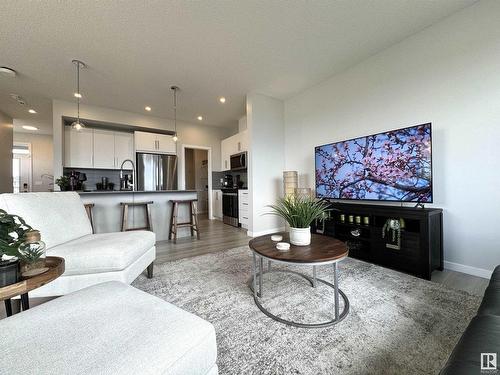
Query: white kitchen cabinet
point(233, 145)
point(104, 149)
point(97, 148)
point(217, 204)
point(124, 147)
point(145, 141)
point(78, 148)
point(243, 208)
point(225, 162)
point(154, 142)
point(166, 144)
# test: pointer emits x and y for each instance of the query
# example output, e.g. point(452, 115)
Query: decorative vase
point(32, 252)
point(9, 272)
point(300, 236)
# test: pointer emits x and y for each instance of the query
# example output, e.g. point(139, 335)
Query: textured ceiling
point(135, 50)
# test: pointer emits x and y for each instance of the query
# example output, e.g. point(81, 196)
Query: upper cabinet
point(156, 143)
point(97, 148)
point(104, 149)
point(124, 147)
point(78, 148)
point(233, 145)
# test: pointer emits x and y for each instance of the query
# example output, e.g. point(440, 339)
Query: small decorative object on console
point(392, 227)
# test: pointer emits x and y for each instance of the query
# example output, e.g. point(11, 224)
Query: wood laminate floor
point(216, 236)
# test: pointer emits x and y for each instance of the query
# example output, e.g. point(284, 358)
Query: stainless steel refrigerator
point(156, 172)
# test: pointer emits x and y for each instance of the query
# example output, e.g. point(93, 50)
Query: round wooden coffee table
point(322, 251)
point(23, 287)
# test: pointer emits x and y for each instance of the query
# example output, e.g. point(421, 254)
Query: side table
point(23, 287)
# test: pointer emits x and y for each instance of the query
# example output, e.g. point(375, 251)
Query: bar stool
point(192, 223)
point(125, 206)
point(90, 214)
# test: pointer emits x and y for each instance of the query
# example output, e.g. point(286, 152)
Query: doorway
point(196, 177)
point(21, 167)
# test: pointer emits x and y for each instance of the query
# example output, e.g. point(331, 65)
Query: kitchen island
point(107, 210)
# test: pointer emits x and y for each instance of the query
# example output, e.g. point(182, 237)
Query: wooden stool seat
point(147, 212)
point(193, 218)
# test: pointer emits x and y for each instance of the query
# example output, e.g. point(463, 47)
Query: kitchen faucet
point(133, 172)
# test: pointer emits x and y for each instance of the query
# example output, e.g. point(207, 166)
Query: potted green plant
point(299, 212)
point(63, 183)
point(12, 234)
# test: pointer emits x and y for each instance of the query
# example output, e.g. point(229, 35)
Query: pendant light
point(175, 89)
point(78, 125)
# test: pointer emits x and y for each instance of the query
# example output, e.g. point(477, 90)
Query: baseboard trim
point(474, 271)
point(264, 232)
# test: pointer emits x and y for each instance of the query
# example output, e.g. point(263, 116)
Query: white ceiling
point(136, 50)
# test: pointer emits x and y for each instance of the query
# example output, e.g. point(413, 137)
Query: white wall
point(5, 153)
point(41, 156)
point(193, 134)
point(265, 122)
point(448, 74)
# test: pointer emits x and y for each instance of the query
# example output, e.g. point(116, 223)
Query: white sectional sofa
point(90, 258)
point(110, 328)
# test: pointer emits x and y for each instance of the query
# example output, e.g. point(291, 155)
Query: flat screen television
point(391, 166)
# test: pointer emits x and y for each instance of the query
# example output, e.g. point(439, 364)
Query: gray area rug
point(397, 324)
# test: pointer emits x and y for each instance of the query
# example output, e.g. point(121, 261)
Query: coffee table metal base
point(339, 316)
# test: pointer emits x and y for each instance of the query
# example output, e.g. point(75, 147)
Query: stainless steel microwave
point(239, 161)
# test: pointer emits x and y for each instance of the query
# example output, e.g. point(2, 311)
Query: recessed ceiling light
point(7, 72)
point(200, 118)
point(77, 95)
point(28, 127)
point(31, 111)
point(222, 99)
point(147, 108)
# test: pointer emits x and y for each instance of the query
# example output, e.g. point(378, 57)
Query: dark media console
point(419, 250)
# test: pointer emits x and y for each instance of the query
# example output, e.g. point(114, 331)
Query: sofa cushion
point(104, 252)
point(495, 276)
point(491, 300)
point(481, 336)
point(60, 217)
point(110, 328)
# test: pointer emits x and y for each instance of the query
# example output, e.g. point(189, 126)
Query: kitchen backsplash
point(95, 175)
point(217, 176)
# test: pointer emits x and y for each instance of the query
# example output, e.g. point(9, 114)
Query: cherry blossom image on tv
point(393, 166)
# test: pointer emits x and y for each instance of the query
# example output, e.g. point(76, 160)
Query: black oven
point(230, 207)
point(238, 161)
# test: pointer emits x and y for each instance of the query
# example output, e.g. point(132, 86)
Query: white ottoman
point(109, 328)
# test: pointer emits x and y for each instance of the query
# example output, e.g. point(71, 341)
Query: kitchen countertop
point(133, 191)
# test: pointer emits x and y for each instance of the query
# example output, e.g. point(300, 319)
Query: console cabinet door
point(78, 148)
point(124, 148)
point(104, 149)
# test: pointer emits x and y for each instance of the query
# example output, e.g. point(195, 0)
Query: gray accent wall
point(6, 141)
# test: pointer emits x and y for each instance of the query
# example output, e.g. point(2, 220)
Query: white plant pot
point(300, 236)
